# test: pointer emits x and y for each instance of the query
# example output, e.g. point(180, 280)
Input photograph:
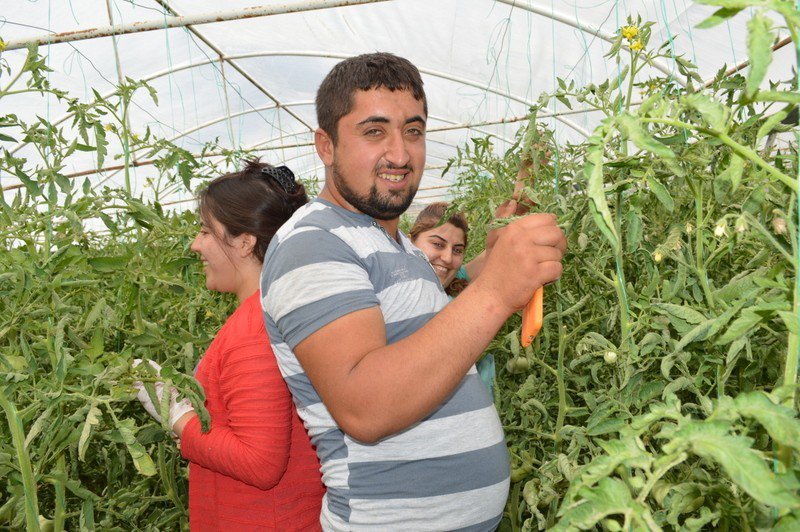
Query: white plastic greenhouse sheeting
point(483, 62)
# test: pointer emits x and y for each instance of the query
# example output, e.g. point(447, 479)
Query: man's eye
point(458, 251)
point(416, 132)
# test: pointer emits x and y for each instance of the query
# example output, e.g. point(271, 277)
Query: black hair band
point(283, 176)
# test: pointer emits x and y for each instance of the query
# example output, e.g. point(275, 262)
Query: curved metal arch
point(429, 71)
point(242, 113)
point(453, 124)
point(328, 55)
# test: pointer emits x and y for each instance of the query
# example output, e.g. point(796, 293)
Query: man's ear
point(324, 145)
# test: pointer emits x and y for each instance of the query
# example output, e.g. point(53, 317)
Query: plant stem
point(28, 482)
point(699, 221)
point(60, 499)
point(560, 381)
point(742, 151)
point(5, 91)
point(658, 474)
point(634, 57)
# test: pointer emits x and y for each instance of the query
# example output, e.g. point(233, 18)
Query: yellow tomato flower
point(636, 46)
point(109, 127)
point(629, 32)
point(2, 45)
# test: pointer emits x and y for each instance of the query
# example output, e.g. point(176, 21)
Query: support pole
point(179, 22)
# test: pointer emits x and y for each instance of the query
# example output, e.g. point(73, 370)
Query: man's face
point(377, 162)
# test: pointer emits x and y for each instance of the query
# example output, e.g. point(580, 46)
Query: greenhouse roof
point(245, 72)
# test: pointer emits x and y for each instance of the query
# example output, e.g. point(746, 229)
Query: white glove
point(176, 408)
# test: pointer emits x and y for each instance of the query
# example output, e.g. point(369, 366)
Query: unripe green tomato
point(610, 357)
point(518, 365)
point(636, 482)
point(583, 241)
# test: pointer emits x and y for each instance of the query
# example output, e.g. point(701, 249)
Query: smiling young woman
point(256, 468)
point(443, 243)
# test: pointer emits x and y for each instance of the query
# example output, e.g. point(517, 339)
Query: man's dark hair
point(363, 72)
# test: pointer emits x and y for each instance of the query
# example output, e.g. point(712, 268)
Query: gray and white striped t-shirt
point(447, 472)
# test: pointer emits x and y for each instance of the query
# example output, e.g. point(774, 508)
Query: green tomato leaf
point(661, 193)
point(109, 264)
point(788, 523)
point(719, 16)
point(92, 420)
point(141, 460)
point(641, 138)
point(759, 48)
point(781, 422)
point(634, 234)
point(102, 143)
point(611, 496)
point(607, 426)
point(712, 112)
point(684, 313)
point(741, 326)
point(790, 319)
point(707, 329)
point(594, 175)
point(681, 383)
point(733, 173)
point(770, 124)
point(778, 96)
point(744, 465)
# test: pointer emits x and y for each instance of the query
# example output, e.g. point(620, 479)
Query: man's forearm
point(394, 386)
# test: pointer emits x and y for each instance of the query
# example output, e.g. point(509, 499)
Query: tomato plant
point(661, 392)
point(90, 278)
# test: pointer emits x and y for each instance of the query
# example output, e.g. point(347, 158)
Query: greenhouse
point(650, 385)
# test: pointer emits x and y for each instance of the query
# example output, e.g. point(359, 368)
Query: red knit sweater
point(256, 468)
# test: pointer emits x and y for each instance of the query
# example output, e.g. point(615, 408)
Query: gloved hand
point(176, 408)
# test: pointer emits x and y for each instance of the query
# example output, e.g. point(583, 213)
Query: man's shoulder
point(314, 215)
point(319, 229)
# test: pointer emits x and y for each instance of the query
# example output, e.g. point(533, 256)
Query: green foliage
point(660, 394)
point(91, 278)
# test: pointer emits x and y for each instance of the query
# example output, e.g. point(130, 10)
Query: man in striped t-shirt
point(380, 366)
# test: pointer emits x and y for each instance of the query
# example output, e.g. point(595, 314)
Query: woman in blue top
point(444, 244)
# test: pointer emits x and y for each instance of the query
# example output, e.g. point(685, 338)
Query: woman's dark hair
point(433, 216)
point(362, 73)
point(251, 202)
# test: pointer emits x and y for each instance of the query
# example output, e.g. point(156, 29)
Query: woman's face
point(218, 255)
point(444, 247)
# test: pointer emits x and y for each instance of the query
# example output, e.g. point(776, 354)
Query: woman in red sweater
point(256, 468)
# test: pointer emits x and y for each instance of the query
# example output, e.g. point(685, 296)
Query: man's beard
point(381, 207)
